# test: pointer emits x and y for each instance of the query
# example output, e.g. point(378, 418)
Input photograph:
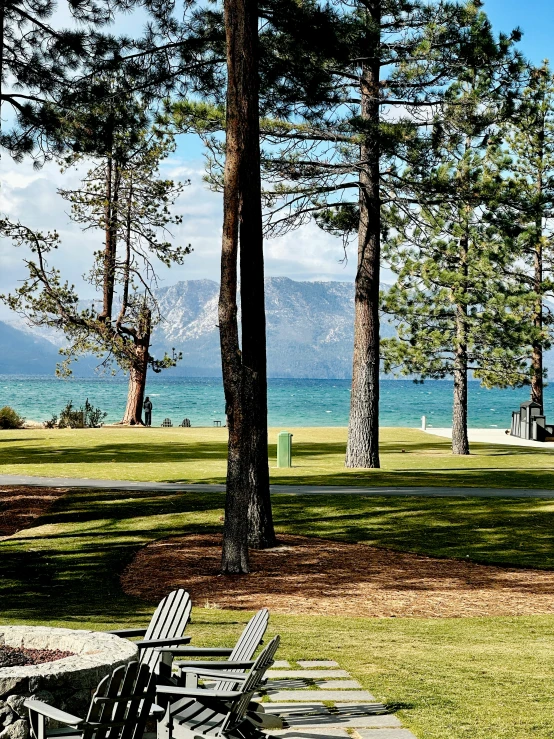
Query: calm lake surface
point(291, 402)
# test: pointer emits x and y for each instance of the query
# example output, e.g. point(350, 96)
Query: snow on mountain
point(309, 328)
point(189, 309)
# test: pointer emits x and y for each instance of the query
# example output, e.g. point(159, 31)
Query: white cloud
point(31, 196)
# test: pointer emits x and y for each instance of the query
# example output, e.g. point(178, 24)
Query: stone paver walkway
point(301, 698)
point(427, 492)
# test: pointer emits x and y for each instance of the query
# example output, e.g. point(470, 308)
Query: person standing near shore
point(147, 411)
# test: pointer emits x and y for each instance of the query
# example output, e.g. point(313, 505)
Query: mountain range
point(309, 332)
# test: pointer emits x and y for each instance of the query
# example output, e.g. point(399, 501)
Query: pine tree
point(457, 307)
point(39, 65)
point(124, 197)
point(531, 142)
point(248, 518)
point(264, 73)
point(47, 70)
point(346, 166)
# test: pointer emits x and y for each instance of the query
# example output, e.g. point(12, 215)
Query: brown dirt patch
point(19, 506)
point(322, 577)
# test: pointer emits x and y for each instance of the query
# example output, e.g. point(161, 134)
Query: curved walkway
point(431, 492)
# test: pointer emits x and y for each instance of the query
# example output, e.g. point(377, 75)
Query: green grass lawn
point(482, 678)
point(408, 457)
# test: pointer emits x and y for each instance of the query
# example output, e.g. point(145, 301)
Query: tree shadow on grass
point(515, 532)
point(68, 565)
point(148, 452)
point(106, 505)
point(477, 477)
point(132, 453)
point(64, 568)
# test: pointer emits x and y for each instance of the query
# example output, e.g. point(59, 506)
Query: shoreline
point(317, 403)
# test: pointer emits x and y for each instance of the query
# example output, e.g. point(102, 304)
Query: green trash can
point(284, 449)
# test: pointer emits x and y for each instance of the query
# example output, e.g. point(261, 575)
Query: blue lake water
point(291, 402)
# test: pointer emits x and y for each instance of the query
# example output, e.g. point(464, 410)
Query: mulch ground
point(19, 506)
point(312, 575)
point(317, 576)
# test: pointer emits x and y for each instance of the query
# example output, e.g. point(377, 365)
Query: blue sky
point(534, 17)
point(306, 254)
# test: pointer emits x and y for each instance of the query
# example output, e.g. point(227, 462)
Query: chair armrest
point(200, 651)
point(127, 633)
point(213, 665)
point(215, 674)
point(150, 643)
point(54, 713)
point(198, 692)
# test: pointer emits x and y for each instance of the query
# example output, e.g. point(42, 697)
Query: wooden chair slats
point(251, 637)
point(119, 707)
point(253, 682)
point(131, 682)
point(218, 717)
point(100, 713)
point(138, 706)
point(170, 619)
point(246, 645)
point(197, 717)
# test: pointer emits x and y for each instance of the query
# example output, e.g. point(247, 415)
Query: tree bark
point(261, 534)
point(234, 558)
point(363, 429)
point(248, 517)
point(537, 381)
point(235, 532)
point(110, 229)
point(460, 442)
point(138, 371)
point(135, 393)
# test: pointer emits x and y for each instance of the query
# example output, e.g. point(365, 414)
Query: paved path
point(431, 492)
point(302, 696)
point(493, 436)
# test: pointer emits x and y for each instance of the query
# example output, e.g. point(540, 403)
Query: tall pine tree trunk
point(537, 383)
point(108, 281)
point(135, 393)
point(460, 442)
point(363, 429)
point(247, 503)
point(138, 371)
point(112, 181)
point(235, 533)
point(261, 534)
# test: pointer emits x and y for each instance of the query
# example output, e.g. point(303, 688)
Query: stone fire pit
point(65, 683)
